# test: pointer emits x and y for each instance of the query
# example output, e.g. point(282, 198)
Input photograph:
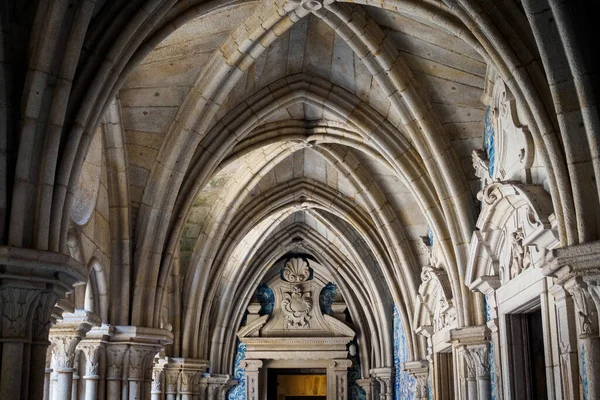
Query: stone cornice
point(565, 262)
point(469, 335)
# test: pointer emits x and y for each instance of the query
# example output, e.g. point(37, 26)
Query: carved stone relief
point(297, 306)
point(296, 270)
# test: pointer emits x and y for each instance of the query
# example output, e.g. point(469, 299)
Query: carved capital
point(187, 380)
point(477, 361)
point(18, 305)
point(340, 364)
point(583, 294)
point(157, 375)
point(251, 365)
point(171, 378)
point(91, 351)
point(63, 351)
point(115, 356)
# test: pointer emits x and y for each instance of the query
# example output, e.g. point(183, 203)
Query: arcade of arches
point(291, 199)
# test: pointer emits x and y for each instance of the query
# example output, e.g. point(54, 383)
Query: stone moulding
point(513, 215)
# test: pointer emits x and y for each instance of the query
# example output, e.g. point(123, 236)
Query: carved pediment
point(297, 328)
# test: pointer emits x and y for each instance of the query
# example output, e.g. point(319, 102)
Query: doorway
point(296, 384)
point(525, 334)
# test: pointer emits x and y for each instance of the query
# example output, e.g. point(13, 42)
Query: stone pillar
point(478, 365)
point(115, 355)
point(420, 371)
point(252, 368)
point(218, 385)
point(488, 286)
point(385, 380)
point(472, 343)
point(65, 336)
point(589, 340)
point(158, 377)
point(93, 346)
point(567, 342)
point(187, 384)
point(75, 382)
point(31, 282)
point(131, 354)
point(337, 379)
point(577, 269)
point(366, 385)
point(182, 376)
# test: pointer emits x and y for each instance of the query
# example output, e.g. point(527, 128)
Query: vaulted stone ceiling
point(345, 132)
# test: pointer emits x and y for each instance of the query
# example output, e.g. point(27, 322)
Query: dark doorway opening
point(525, 334)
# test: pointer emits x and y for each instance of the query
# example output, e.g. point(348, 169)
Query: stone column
point(472, 343)
point(567, 342)
point(584, 294)
point(131, 356)
point(171, 379)
point(577, 269)
point(75, 382)
point(65, 336)
point(488, 286)
point(252, 368)
point(337, 379)
point(31, 282)
point(366, 385)
point(158, 377)
point(115, 355)
point(218, 385)
point(187, 384)
point(385, 380)
point(92, 347)
point(478, 364)
point(203, 386)
point(420, 371)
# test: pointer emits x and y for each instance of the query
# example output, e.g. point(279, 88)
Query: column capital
point(66, 335)
point(340, 364)
point(251, 365)
point(477, 361)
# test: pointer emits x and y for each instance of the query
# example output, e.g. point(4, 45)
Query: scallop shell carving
point(296, 270)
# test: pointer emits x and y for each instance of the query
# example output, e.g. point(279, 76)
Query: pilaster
point(471, 343)
point(577, 269)
point(252, 368)
point(337, 379)
point(31, 282)
point(65, 336)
